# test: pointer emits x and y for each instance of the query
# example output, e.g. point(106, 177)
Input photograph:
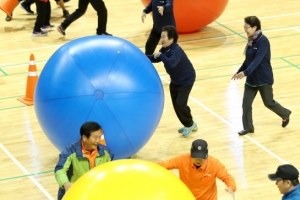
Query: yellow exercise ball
point(129, 179)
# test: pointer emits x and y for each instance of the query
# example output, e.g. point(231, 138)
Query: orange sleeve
point(173, 163)
point(224, 176)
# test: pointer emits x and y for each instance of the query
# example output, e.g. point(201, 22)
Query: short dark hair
point(253, 21)
point(171, 32)
point(88, 127)
point(293, 182)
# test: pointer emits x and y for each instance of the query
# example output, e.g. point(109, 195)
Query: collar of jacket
point(79, 153)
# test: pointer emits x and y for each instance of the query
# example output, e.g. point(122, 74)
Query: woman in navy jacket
point(182, 74)
point(258, 70)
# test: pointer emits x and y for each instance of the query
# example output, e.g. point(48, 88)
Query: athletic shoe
point(26, 8)
point(182, 128)
point(104, 33)
point(66, 13)
point(188, 130)
point(61, 30)
point(47, 28)
point(39, 34)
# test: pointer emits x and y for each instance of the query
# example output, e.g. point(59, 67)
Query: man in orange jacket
point(199, 171)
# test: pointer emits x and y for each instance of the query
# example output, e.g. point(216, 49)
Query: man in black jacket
point(162, 11)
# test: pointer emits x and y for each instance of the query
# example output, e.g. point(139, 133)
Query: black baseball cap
point(287, 172)
point(199, 149)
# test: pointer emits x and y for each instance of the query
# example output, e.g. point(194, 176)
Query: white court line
point(231, 125)
point(297, 29)
point(212, 38)
point(279, 29)
point(197, 40)
point(40, 62)
point(54, 46)
point(32, 49)
point(266, 17)
point(26, 172)
point(132, 35)
point(20, 65)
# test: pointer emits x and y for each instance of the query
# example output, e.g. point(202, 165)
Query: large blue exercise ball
point(103, 79)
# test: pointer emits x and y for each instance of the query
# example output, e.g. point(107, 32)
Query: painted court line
point(26, 172)
point(266, 17)
point(132, 35)
point(297, 29)
point(231, 125)
point(279, 29)
point(23, 50)
point(184, 42)
point(21, 65)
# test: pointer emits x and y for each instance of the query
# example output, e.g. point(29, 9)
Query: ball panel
point(95, 57)
point(57, 80)
point(61, 119)
point(132, 67)
point(135, 113)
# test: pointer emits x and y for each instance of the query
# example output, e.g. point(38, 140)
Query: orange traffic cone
point(8, 6)
point(31, 83)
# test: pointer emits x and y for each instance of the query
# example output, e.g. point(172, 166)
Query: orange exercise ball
point(192, 15)
point(129, 179)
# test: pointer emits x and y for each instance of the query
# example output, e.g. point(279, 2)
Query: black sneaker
point(66, 13)
point(39, 34)
point(26, 8)
point(244, 132)
point(61, 30)
point(286, 121)
point(47, 28)
point(104, 33)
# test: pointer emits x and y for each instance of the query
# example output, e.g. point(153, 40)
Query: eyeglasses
point(246, 27)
